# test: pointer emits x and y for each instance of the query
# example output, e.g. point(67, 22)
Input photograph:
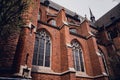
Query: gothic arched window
point(78, 56)
point(52, 22)
point(42, 49)
point(73, 30)
point(103, 60)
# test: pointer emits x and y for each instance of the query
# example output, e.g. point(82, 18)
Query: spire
point(92, 18)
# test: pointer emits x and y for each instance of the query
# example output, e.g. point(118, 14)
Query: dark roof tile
point(58, 7)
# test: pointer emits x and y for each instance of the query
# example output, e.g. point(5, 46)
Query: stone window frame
point(50, 42)
point(103, 60)
point(78, 48)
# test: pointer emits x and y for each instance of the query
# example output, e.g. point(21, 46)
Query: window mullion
point(78, 53)
point(74, 58)
point(78, 57)
point(42, 48)
point(44, 51)
point(82, 60)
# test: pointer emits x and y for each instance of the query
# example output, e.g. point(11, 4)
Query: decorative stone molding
point(34, 30)
point(92, 77)
point(68, 45)
point(91, 33)
point(104, 73)
point(41, 69)
point(81, 74)
point(47, 70)
point(98, 53)
point(30, 26)
point(72, 69)
point(65, 23)
point(27, 25)
point(24, 72)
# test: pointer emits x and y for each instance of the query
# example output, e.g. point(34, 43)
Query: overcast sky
point(98, 7)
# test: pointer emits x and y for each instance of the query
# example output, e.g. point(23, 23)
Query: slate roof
point(69, 13)
point(110, 17)
point(58, 7)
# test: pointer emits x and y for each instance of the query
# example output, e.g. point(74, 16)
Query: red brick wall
point(7, 52)
point(61, 57)
point(56, 51)
point(38, 76)
point(27, 37)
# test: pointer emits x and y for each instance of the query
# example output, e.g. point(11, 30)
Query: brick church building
point(58, 44)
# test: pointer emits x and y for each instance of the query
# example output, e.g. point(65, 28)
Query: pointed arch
point(77, 56)
point(44, 29)
point(78, 42)
point(42, 49)
point(73, 30)
point(52, 21)
point(103, 60)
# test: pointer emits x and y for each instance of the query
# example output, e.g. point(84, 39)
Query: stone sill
point(47, 70)
point(84, 75)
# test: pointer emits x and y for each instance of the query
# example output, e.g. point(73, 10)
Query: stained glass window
point(42, 49)
point(78, 56)
point(103, 60)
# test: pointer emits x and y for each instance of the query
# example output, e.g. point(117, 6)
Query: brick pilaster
point(25, 48)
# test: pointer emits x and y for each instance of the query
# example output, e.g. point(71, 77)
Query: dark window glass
point(112, 34)
point(81, 60)
point(73, 30)
point(47, 57)
point(42, 48)
point(77, 56)
point(35, 51)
